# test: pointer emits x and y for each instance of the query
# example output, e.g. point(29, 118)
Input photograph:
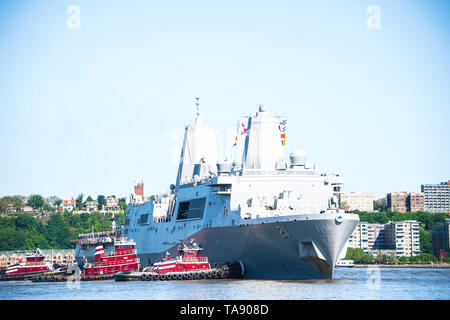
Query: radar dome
point(298, 158)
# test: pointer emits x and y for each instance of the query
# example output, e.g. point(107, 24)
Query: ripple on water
point(354, 283)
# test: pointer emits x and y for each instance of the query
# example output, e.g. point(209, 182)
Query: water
point(349, 284)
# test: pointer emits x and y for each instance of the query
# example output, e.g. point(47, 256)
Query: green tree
point(391, 259)
point(57, 232)
point(58, 202)
point(120, 218)
point(123, 203)
point(101, 199)
point(79, 201)
point(366, 258)
point(23, 231)
point(11, 202)
point(380, 258)
point(25, 221)
point(36, 201)
point(9, 239)
point(358, 255)
point(380, 205)
point(54, 201)
point(402, 260)
point(425, 239)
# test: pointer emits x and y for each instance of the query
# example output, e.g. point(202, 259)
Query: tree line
point(40, 203)
point(360, 257)
point(23, 231)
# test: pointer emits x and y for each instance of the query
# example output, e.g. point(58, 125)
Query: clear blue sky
point(91, 110)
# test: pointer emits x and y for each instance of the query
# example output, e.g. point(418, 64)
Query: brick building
point(404, 201)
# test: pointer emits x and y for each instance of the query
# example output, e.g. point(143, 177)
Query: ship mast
point(198, 150)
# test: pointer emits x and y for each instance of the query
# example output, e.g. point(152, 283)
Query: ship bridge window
point(192, 209)
point(143, 219)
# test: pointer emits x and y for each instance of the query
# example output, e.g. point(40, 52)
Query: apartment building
point(404, 201)
point(367, 236)
point(415, 202)
point(396, 201)
point(441, 238)
point(437, 197)
point(375, 236)
point(359, 237)
point(400, 237)
point(357, 201)
point(403, 237)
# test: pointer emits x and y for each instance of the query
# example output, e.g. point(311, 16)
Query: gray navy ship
point(279, 219)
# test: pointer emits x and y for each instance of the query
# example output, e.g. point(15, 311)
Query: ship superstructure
point(122, 259)
point(281, 220)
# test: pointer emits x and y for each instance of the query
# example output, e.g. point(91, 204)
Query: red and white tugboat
point(33, 265)
point(187, 265)
point(188, 259)
point(122, 259)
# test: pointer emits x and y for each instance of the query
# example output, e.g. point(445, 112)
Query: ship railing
point(278, 173)
point(196, 259)
point(222, 190)
point(162, 219)
point(116, 263)
point(95, 240)
point(100, 235)
point(35, 263)
point(121, 253)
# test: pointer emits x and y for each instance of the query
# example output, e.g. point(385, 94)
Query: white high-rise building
point(403, 237)
point(359, 237)
point(437, 197)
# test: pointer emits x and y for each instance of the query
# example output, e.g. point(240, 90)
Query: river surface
point(348, 283)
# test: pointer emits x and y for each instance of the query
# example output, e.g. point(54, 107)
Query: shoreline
point(425, 266)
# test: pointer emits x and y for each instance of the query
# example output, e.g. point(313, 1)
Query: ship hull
point(298, 247)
